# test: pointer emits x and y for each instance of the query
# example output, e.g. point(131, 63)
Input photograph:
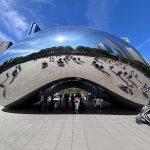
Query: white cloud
point(99, 12)
point(11, 19)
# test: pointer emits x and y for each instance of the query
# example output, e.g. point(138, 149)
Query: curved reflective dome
point(70, 36)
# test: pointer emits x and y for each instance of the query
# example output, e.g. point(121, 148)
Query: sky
point(123, 18)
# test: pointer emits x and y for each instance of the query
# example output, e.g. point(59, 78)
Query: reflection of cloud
point(22, 51)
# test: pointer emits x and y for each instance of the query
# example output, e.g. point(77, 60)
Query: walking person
point(77, 102)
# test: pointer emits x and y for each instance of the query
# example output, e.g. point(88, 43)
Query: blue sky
point(120, 17)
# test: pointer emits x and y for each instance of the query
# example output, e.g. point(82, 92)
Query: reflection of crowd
point(14, 74)
point(65, 102)
point(123, 71)
point(64, 99)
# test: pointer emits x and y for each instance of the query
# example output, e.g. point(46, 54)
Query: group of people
point(74, 98)
point(51, 59)
point(145, 88)
point(15, 72)
point(65, 100)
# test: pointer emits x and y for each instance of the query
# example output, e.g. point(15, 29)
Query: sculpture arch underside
point(32, 79)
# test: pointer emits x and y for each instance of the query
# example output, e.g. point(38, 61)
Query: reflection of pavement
point(72, 132)
point(33, 77)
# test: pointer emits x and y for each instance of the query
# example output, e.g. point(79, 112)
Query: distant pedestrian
point(7, 75)
point(19, 68)
point(77, 103)
point(72, 102)
point(66, 99)
point(111, 67)
point(99, 104)
point(119, 73)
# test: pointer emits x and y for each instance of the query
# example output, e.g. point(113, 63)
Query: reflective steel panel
point(69, 36)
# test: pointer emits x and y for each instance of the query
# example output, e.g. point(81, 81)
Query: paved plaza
point(72, 132)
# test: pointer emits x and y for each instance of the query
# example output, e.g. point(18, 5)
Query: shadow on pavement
point(34, 109)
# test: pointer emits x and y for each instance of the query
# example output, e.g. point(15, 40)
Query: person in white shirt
point(77, 102)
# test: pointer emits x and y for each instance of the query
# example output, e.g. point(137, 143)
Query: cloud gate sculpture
point(73, 57)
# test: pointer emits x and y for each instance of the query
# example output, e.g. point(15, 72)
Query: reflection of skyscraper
point(126, 39)
point(4, 45)
point(105, 48)
point(117, 47)
point(135, 55)
point(34, 28)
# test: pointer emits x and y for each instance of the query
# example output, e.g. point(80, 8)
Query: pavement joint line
point(60, 133)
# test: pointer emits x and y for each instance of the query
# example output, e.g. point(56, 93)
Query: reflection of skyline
point(60, 36)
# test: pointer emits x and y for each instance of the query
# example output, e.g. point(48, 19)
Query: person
point(119, 73)
point(52, 103)
point(7, 75)
point(66, 99)
point(145, 88)
point(98, 103)
point(136, 75)
point(130, 76)
point(2, 85)
point(14, 74)
point(45, 101)
point(50, 59)
point(42, 101)
point(72, 101)
point(19, 68)
point(77, 102)
point(111, 67)
point(125, 73)
point(60, 99)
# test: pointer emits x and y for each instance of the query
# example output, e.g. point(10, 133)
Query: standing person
point(66, 99)
point(72, 101)
point(45, 100)
point(19, 67)
point(7, 75)
point(42, 101)
point(52, 103)
point(77, 102)
point(98, 103)
point(60, 99)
